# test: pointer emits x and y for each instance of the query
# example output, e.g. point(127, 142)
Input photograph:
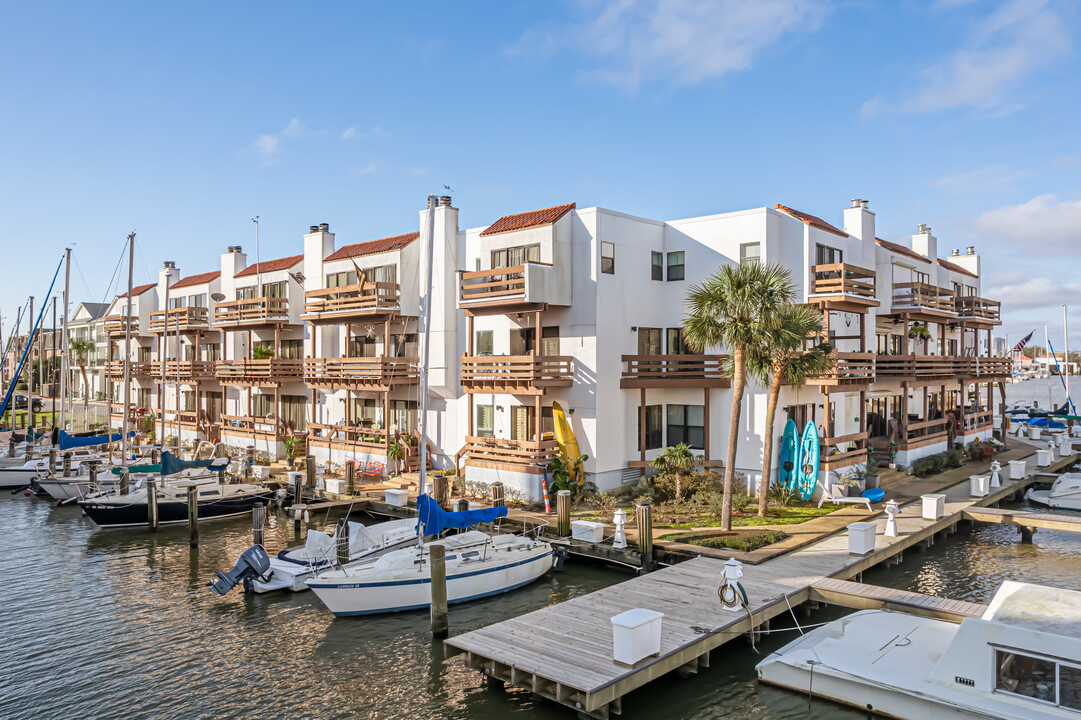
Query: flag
point(1024, 341)
point(362, 279)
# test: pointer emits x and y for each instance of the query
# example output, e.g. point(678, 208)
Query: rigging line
point(86, 285)
point(116, 270)
point(142, 259)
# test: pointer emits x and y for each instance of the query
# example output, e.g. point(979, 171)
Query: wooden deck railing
point(267, 368)
point(985, 367)
point(922, 296)
point(515, 373)
point(372, 298)
point(918, 366)
point(252, 311)
point(348, 437)
point(514, 454)
point(846, 456)
point(976, 421)
point(978, 308)
point(115, 368)
point(659, 371)
point(187, 368)
point(843, 279)
point(188, 318)
point(252, 428)
point(115, 325)
point(116, 412)
point(497, 283)
point(925, 431)
point(850, 368)
point(345, 372)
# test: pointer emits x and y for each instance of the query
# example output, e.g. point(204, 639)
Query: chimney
point(860, 223)
point(444, 200)
point(925, 243)
point(313, 229)
point(318, 244)
point(168, 264)
point(233, 261)
point(969, 261)
point(324, 227)
point(166, 277)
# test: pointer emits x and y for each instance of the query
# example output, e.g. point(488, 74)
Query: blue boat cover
point(171, 464)
point(436, 519)
point(1046, 423)
point(67, 442)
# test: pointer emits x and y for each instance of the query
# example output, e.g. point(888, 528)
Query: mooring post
point(309, 467)
point(1026, 533)
point(643, 513)
point(298, 488)
point(155, 455)
point(341, 539)
point(52, 461)
point(221, 476)
point(249, 460)
point(440, 622)
point(125, 484)
point(11, 443)
point(563, 513)
point(29, 443)
point(258, 523)
point(497, 494)
point(351, 477)
point(151, 503)
point(439, 488)
point(193, 516)
point(67, 464)
point(92, 473)
point(461, 505)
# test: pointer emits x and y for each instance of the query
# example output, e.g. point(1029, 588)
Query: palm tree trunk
point(679, 484)
point(767, 444)
point(738, 382)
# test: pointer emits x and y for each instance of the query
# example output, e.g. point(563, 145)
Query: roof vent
point(970, 250)
point(444, 200)
point(233, 249)
point(169, 264)
point(956, 252)
point(856, 202)
point(864, 204)
point(324, 227)
point(923, 229)
point(313, 228)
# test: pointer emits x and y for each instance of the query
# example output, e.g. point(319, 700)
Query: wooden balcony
point(116, 325)
point(922, 433)
point(843, 287)
point(188, 319)
point(185, 369)
point(516, 374)
point(115, 369)
point(189, 421)
point(978, 312)
point(851, 370)
point(520, 288)
point(975, 422)
point(363, 373)
point(918, 367)
point(116, 412)
point(850, 450)
point(236, 430)
point(985, 369)
point(372, 441)
point(269, 371)
point(253, 312)
point(674, 371)
point(922, 301)
point(351, 302)
point(514, 455)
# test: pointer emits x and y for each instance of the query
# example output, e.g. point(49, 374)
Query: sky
point(183, 121)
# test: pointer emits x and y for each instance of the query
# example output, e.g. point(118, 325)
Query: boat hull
point(17, 477)
point(116, 515)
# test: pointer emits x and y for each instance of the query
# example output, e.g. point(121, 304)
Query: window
point(294, 412)
point(177, 302)
point(649, 341)
point(485, 421)
point(521, 341)
point(1069, 687)
point(522, 425)
point(144, 354)
point(550, 340)
point(1026, 675)
point(187, 400)
point(362, 411)
point(197, 300)
point(363, 346)
point(654, 429)
point(675, 266)
point(750, 253)
point(920, 277)
point(951, 346)
point(263, 345)
point(275, 290)
point(262, 405)
point(511, 257)
point(656, 265)
point(245, 293)
point(608, 258)
point(212, 352)
point(142, 397)
point(485, 342)
point(886, 344)
point(341, 279)
point(292, 349)
point(970, 290)
point(676, 346)
point(404, 415)
point(957, 289)
point(801, 414)
point(826, 255)
point(687, 424)
point(405, 345)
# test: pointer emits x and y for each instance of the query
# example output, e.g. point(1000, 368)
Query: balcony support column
point(705, 412)
point(642, 430)
point(277, 341)
point(469, 353)
point(348, 339)
point(537, 417)
point(386, 426)
point(903, 435)
point(863, 334)
point(904, 338)
point(863, 420)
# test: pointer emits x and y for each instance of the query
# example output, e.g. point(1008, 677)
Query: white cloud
point(1033, 293)
point(1064, 162)
point(1040, 227)
point(365, 169)
point(354, 133)
point(1019, 39)
point(686, 42)
point(996, 178)
point(269, 144)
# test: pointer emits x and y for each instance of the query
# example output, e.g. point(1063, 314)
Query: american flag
point(1024, 341)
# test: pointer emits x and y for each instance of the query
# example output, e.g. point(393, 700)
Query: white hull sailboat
point(1064, 493)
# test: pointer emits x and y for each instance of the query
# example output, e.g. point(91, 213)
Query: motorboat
point(1064, 493)
point(1020, 661)
point(215, 500)
point(291, 568)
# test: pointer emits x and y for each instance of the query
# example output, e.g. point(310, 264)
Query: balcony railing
point(850, 368)
point(500, 283)
point(116, 412)
point(246, 428)
point(843, 280)
point(353, 300)
point(185, 368)
point(349, 438)
point(115, 325)
point(977, 421)
point(187, 318)
point(970, 307)
point(115, 368)
point(516, 374)
point(986, 367)
point(924, 432)
point(531, 284)
point(517, 455)
point(851, 450)
point(922, 296)
point(252, 311)
point(674, 371)
point(273, 369)
point(918, 366)
point(373, 372)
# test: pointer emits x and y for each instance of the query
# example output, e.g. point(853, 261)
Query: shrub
point(606, 505)
point(693, 483)
point(741, 501)
point(781, 493)
point(744, 543)
point(954, 458)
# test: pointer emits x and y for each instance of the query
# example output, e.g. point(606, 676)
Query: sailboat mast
point(127, 353)
point(425, 320)
point(29, 375)
point(65, 343)
point(1066, 356)
point(164, 354)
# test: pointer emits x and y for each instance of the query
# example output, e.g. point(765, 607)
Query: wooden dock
point(1024, 519)
point(564, 652)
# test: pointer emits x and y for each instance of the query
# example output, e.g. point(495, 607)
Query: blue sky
point(182, 121)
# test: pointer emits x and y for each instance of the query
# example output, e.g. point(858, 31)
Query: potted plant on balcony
point(843, 485)
point(893, 454)
point(920, 332)
point(395, 453)
point(261, 352)
point(290, 444)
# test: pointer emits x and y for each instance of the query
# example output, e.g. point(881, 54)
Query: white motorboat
point(291, 568)
point(1064, 493)
point(1020, 661)
point(478, 565)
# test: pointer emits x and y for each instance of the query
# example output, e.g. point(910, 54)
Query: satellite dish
point(217, 297)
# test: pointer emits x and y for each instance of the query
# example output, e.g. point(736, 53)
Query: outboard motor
point(252, 563)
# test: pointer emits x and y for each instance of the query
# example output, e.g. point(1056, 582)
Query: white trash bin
point(1043, 458)
point(1033, 432)
point(934, 506)
point(1017, 469)
point(979, 485)
point(861, 538)
point(588, 531)
point(398, 498)
point(636, 634)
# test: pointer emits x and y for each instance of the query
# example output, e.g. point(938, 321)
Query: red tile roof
point(199, 279)
point(270, 266)
point(909, 252)
point(812, 220)
point(371, 247)
point(137, 291)
point(956, 268)
point(533, 218)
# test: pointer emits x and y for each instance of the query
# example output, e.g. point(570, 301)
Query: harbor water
point(120, 623)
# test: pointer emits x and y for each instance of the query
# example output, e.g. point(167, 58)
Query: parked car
point(20, 403)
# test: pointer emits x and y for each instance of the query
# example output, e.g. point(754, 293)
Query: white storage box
point(934, 506)
point(1033, 432)
point(586, 530)
point(636, 634)
point(337, 485)
point(1017, 469)
point(1043, 458)
point(1065, 450)
point(399, 498)
point(861, 538)
point(293, 478)
point(475, 506)
point(979, 485)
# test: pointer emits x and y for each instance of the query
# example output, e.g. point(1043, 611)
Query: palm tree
point(81, 349)
point(782, 360)
point(736, 307)
point(679, 459)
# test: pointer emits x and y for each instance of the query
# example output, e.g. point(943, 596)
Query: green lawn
point(744, 543)
point(790, 515)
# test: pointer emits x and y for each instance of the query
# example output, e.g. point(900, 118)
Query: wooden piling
point(309, 468)
point(52, 461)
point(152, 503)
point(351, 477)
point(439, 489)
point(11, 443)
point(249, 460)
point(563, 513)
point(155, 455)
point(92, 473)
point(497, 494)
point(461, 505)
point(258, 523)
point(125, 482)
point(440, 621)
point(67, 464)
point(341, 539)
point(643, 514)
point(298, 489)
point(193, 516)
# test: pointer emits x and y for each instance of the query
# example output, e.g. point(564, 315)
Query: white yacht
point(1020, 661)
point(1064, 494)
